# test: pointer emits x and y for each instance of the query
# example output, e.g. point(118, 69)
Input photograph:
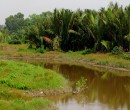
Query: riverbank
point(105, 60)
point(19, 89)
point(21, 83)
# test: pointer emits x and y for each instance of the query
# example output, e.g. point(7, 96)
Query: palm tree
point(128, 15)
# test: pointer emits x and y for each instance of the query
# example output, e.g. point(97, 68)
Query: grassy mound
point(29, 77)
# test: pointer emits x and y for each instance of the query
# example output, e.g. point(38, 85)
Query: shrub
point(126, 56)
point(40, 50)
point(116, 50)
point(14, 42)
point(81, 82)
point(87, 51)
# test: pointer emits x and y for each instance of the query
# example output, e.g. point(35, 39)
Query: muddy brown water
point(105, 91)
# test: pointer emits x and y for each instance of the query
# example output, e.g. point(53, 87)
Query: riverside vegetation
point(66, 30)
point(116, 59)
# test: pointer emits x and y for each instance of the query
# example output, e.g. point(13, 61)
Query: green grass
point(16, 77)
point(28, 77)
point(19, 104)
point(29, 50)
point(126, 56)
point(17, 50)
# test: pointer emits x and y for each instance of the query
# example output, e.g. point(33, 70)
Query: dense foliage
point(67, 30)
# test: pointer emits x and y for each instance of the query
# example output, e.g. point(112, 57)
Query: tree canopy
point(13, 23)
point(75, 30)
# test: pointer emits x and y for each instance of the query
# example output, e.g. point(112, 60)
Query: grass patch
point(19, 104)
point(20, 50)
point(28, 77)
point(102, 62)
point(15, 77)
point(126, 56)
point(29, 50)
point(107, 59)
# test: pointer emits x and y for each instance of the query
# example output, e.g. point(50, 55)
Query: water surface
point(105, 90)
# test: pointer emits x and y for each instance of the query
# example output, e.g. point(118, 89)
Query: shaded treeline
point(74, 30)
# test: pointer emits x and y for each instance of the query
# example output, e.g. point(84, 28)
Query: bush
point(14, 42)
point(40, 50)
point(87, 51)
point(116, 50)
point(81, 82)
point(126, 56)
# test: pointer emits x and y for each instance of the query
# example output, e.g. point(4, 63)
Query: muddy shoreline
point(46, 93)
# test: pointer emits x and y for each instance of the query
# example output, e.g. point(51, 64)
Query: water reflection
point(105, 91)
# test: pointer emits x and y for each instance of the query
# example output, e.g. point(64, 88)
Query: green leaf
point(92, 19)
point(127, 37)
point(105, 44)
point(74, 32)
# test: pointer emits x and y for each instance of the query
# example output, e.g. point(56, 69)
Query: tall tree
point(13, 23)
